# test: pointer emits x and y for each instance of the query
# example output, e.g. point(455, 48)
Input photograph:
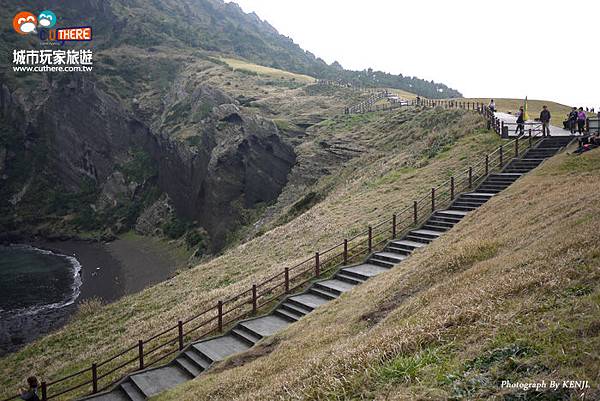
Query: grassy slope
point(558, 111)
point(513, 292)
point(393, 167)
point(237, 64)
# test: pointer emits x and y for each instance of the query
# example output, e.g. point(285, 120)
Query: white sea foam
point(75, 286)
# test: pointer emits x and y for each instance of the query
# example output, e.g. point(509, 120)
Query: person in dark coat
point(30, 394)
point(545, 119)
point(520, 121)
point(573, 120)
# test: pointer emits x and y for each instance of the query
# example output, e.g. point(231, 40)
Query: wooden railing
point(214, 319)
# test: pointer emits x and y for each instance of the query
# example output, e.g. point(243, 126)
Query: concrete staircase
point(200, 356)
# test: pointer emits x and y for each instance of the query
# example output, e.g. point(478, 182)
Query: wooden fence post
point(287, 280)
point(517, 147)
point(180, 334)
point(432, 200)
point(370, 239)
point(94, 378)
point(345, 251)
point(220, 316)
point(470, 177)
point(141, 353)
point(415, 217)
point(44, 391)
point(317, 265)
point(451, 188)
point(487, 165)
point(254, 299)
point(501, 155)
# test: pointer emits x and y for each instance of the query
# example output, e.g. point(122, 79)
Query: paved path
point(512, 119)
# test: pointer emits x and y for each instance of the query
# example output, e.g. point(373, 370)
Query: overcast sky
point(543, 49)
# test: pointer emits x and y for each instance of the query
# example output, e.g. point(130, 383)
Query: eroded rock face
point(237, 162)
point(156, 216)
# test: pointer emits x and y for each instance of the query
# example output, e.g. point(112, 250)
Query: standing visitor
point(573, 120)
point(545, 119)
point(492, 106)
point(520, 121)
point(581, 117)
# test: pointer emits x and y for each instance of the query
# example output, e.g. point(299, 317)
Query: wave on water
point(75, 286)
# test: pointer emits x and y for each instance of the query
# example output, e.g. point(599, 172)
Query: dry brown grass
point(511, 292)
point(391, 172)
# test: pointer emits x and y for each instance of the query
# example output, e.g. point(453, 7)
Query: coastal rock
point(154, 217)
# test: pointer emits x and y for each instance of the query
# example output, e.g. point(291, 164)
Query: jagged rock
point(114, 188)
point(154, 217)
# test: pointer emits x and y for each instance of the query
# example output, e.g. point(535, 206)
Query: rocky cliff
point(79, 139)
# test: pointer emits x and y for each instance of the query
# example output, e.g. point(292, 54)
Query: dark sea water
point(42, 284)
point(33, 280)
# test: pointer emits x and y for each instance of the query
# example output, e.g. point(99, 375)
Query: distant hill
point(215, 26)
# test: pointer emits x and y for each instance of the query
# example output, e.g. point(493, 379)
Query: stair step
point(451, 212)
point(365, 270)
point(467, 204)
point(390, 256)
point(435, 228)
point(381, 262)
point(265, 326)
point(199, 359)
point(398, 250)
point(408, 244)
point(308, 301)
point(188, 366)
point(132, 391)
point(152, 382)
point(322, 293)
point(286, 314)
point(446, 219)
point(429, 233)
point(335, 286)
point(246, 335)
point(494, 190)
point(465, 208)
point(219, 348)
point(300, 310)
point(439, 222)
point(348, 278)
point(418, 238)
point(470, 201)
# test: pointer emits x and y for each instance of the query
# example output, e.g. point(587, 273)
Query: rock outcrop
point(237, 162)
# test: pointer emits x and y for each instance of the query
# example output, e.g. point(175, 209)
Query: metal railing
point(100, 376)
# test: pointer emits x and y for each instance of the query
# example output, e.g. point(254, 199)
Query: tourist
point(581, 118)
point(31, 393)
point(492, 106)
point(573, 120)
point(520, 121)
point(545, 119)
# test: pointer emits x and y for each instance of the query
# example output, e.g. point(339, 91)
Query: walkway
point(512, 120)
point(200, 356)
